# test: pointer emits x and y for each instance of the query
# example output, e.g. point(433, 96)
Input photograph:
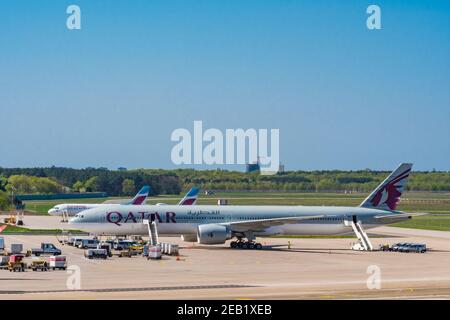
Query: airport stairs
point(152, 232)
point(65, 216)
point(360, 234)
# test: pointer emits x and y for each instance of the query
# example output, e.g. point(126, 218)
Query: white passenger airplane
point(71, 209)
point(216, 224)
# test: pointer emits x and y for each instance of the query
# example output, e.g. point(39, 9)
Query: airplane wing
point(261, 225)
point(400, 215)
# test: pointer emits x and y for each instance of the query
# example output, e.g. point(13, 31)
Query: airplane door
point(347, 220)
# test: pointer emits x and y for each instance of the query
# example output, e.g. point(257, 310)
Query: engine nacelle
point(212, 234)
point(189, 237)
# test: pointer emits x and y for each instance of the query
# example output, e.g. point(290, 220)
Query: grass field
point(15, 229)
point(42, 207)
point(434, 222)
point(434, 203)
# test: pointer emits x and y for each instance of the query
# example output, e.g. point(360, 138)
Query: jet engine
point(212, 234)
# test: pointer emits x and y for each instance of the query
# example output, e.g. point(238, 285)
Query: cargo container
point(154, 252)
point(16, 248)
point(58, 262)
point(172, 250)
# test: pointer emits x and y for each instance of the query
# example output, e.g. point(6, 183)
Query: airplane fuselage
point(180, 220)
point(72, 209)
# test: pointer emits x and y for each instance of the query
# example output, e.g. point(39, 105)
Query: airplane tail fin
point(387, 195)
point(190, 198)
point(141, 196)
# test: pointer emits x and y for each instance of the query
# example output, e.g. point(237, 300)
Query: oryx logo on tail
point(387, 195)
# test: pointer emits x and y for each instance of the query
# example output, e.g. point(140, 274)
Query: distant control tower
point(253, 167)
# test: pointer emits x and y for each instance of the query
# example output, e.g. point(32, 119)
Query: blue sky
point(110, 94)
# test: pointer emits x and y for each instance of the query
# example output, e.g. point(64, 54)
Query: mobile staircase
point(362, 236)
point(152, 231)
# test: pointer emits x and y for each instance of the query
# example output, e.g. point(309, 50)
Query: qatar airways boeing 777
point(212, 224)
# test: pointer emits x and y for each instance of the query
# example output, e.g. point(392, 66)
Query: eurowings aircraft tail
point(190, 198)
point(387, 195)
point(141, 196)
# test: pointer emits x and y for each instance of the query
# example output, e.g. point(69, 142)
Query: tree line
point(126, 183)
point(310, 181)
point(115, 183)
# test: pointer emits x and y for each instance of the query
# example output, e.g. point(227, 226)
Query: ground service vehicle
point(96, 254)
point(413, 247)
point(72, 241)
point(2, 244)
point(39, 264)
point(16, 263)
point(88, 244)
point(106, 246)
point(123, 244)
point(397, 246)
point(46, 248)
point(136, 249)
point(4, 262)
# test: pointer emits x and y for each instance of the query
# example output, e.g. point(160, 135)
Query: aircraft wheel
point(244, 245)
point(258, 246)
point(233, 244)
point(251, 245)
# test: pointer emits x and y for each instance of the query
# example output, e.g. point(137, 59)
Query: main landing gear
point(245, 245)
